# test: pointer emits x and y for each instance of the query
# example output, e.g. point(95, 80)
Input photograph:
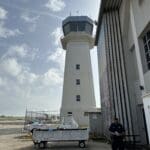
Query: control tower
point(78, 92)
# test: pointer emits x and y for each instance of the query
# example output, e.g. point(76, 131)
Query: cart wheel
point(82, 144)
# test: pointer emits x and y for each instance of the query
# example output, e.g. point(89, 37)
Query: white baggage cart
point(68, 130)
point(40, 137)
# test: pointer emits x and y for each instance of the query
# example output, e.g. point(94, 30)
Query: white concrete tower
point(78, 92)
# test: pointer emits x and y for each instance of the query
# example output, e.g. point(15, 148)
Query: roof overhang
point(106, 5)
point(77, 19)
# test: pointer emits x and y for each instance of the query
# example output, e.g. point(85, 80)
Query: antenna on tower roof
point(70, 13)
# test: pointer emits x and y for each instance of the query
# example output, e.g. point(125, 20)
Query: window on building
point(77, 81)
point(86, 114)
point(88, 28)
point(77, 66)
point(81, 26)
point(73, 26)
point(146, 41)
point(69, 113)
point(78, 98)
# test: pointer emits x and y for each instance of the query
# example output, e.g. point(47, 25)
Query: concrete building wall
point(133, 62)
point(113, 77)
point(105, 91)
point(125, 62)
point(146, 102)
point(130, 61)
point(141, 10)
point(147, 81)
point(78, 52)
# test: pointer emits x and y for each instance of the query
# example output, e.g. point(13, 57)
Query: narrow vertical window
point(77, 81)
point(78, 98)
point(78, 66)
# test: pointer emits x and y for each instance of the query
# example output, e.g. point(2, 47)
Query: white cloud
point(3, 13)
point(55, 5)
point(56, 34)
point(58, 57)
point(5, 32)
point(29, 19)
point(37, 12)
point(27, 77)
point(33, 53)
point(20, 86)
point(32, 27)
point(2, 82)
point(21, 51)
point(52, 77)
point(11, 66)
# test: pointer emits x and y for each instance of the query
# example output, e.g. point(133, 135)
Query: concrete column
point(137, 48)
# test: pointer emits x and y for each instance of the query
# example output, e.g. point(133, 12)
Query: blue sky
point(31, 56)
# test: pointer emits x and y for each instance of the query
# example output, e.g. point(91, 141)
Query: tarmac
point(12, 138)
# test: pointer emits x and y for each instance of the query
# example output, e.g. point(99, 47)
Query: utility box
point(95, 122)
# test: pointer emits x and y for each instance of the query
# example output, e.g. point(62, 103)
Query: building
point(123, 42)
point(78, 92)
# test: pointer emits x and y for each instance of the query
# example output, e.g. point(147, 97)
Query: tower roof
point(77, 24)
point(77, 19)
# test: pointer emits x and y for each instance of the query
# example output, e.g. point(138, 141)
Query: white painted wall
point(133, 23)
point(141, 11)
point(146, 102)
point(136, 44)
point(78, 52)
point(147, 81)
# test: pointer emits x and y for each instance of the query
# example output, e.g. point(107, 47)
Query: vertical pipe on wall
point(112, 64)
point(115, 62)
point(124, 78)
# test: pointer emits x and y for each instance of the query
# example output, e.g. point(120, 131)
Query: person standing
point(117, 133)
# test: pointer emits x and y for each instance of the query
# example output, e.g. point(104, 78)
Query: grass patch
point(10, 118)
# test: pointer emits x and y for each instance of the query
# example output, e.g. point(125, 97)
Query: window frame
point(69, 113)
point(146, 45)
point(78, 26)
point(78, 82)
point(78, 98)
point(77, 66)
